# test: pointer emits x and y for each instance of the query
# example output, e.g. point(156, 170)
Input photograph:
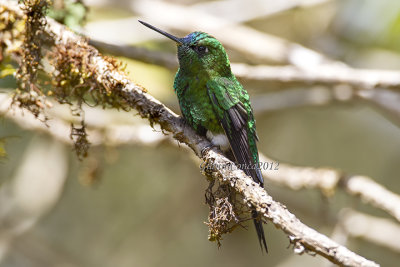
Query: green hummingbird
point(215, 104)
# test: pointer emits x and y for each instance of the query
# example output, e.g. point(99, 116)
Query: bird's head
point(199, 52)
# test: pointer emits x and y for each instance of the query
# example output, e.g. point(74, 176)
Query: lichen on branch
point(29, 95)
point(66, 71)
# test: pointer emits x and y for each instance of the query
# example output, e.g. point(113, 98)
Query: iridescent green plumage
point(215, 104)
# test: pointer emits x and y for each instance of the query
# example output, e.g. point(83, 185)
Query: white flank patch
point(219, 140)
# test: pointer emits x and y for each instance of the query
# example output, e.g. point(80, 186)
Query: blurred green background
point(147, 207)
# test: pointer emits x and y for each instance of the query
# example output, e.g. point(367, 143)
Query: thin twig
point(327, 75)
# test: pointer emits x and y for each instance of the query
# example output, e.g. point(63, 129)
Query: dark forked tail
point(259, 230)
point(258, 222)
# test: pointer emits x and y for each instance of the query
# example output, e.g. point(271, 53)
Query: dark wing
point(234, 117)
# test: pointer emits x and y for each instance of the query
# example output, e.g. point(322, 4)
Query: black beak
point(170, 36)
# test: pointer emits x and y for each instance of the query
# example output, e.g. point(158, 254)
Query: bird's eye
point(202, 49)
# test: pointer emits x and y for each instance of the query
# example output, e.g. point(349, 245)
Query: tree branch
point(376, 230)
point(301, 236)
point(327, 180)
point(328, 75)
point(365, 84)
point(131, 95)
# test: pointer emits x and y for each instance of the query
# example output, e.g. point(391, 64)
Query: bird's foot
point(207, 148)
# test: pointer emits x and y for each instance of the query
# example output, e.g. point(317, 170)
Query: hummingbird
point(215, 104)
